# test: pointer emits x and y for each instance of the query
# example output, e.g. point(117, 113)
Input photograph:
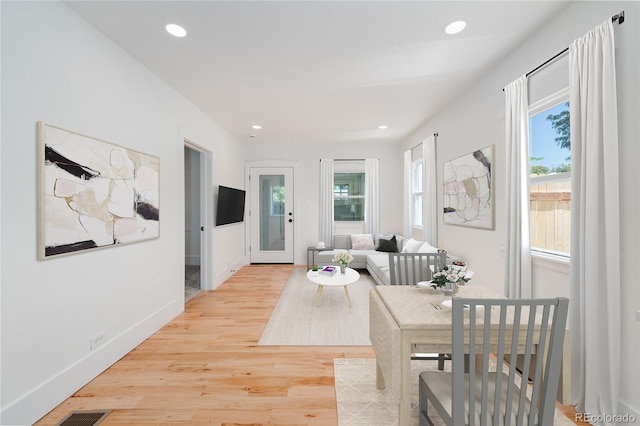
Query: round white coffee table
point(350, 276)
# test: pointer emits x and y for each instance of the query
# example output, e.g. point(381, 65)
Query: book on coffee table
point(329, 270)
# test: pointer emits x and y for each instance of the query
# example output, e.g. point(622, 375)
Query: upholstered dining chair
point(529, 330)
point(410, 269)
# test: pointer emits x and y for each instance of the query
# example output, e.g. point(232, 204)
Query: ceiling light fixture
point(256, 126)
point(455, 27)
point(176, 30)
point(383, 126)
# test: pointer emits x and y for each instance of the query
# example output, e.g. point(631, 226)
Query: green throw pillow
point(388, 246)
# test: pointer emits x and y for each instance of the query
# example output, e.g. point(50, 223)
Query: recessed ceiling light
point(176, 30)
point(383, 126)
point(455, 27)
point(256, 126)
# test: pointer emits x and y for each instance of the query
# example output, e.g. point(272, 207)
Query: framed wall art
point(468, 190)
point(93, 193)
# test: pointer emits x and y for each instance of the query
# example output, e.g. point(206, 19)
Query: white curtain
point(371, 197)
point(325, 233)
point(430, 191)
point(518, 245)
point(595, 226)
point(408, 202)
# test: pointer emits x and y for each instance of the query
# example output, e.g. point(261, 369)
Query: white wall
point(57, 68)
point(307, 183)
point(476, 119)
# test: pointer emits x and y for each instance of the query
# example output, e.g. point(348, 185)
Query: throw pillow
point(362, 242)
point(377, 237)
point(412, 246)
point(388, 246)
point(427, 248)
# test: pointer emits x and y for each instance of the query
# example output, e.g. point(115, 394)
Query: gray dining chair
point(475, 395)
point(410, 269)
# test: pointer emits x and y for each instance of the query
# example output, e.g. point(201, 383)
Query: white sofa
point(374, 261)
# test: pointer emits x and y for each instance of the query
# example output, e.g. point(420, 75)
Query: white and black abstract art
point(93, 193)
point(468, 190)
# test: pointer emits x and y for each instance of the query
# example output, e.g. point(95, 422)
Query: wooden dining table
point(409, 319)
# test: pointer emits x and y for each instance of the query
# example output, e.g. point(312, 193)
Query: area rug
point(360, 403)
point(296, 320)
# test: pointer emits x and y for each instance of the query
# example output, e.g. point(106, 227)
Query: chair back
point(529, 330)
point(411, 268)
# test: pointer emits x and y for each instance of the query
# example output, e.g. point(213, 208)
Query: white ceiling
point(318, 71)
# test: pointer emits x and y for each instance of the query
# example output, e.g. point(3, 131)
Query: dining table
point(406, 319)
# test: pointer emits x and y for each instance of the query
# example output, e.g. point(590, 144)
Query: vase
point(343, 268)
point(450, 288)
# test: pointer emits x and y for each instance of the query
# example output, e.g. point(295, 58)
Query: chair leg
point(423, 417)
point(440, 362)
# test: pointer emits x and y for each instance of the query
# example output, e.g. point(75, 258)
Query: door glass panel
point(272, 214)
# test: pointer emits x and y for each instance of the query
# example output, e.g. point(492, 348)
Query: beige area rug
point(361, 404)
point(297, 321)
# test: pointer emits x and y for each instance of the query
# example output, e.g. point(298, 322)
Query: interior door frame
point(191, 141)
point(248, 165)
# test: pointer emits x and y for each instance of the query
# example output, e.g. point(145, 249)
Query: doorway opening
point(193, 160)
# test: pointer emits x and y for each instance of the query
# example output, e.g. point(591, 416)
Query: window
point(348, 197)
point(277, 200)
point(550, 175)
point(416, 193)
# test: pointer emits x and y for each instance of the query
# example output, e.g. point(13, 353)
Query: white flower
point(343, 257)
point(448, 275)
point(453, 277)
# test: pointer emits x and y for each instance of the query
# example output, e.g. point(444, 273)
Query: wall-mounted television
point(230, 207)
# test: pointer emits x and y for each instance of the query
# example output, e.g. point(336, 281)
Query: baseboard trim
point(629, 411)
point(42, 399)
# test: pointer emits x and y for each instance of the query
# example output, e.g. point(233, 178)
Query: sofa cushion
point(342, 242)
point(362, 242)
point(378, 266)
point(412, 246)
point(360, 257)
point(388, 246)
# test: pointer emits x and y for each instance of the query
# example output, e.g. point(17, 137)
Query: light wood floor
point(205, 367)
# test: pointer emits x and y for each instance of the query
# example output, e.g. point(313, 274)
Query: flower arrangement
point(343, 257)
point(449, 274)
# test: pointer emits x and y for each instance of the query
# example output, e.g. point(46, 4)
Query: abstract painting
point(93, 193)
point(468, 190)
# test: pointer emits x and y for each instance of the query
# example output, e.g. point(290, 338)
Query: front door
point(271, 215)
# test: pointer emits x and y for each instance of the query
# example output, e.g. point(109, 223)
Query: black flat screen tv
point(230, 208)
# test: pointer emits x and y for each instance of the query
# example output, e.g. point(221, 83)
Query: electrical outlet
point(97, 340)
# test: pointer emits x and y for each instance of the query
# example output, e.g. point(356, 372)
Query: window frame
point(551, 101)
point(415, 194)
point(349, 167)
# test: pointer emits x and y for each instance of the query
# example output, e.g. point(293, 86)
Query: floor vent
point(84, 418)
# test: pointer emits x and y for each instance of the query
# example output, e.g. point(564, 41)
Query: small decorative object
point(343, 258)
point(314, 270)
point(320, 245)
point(448, 279)
point(329, 270)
